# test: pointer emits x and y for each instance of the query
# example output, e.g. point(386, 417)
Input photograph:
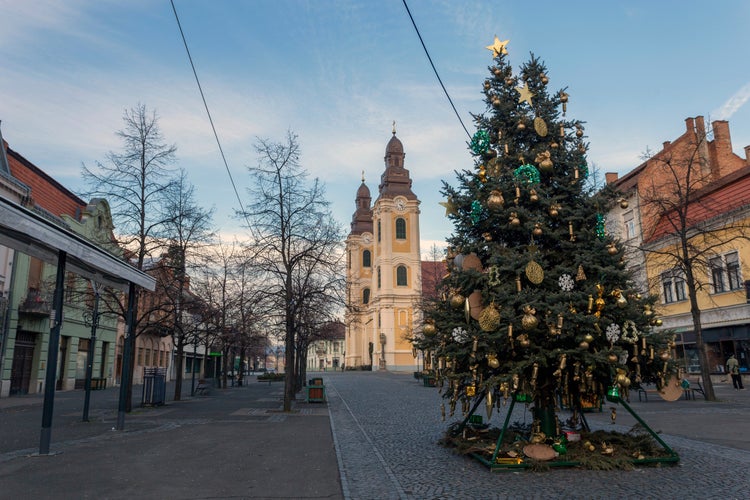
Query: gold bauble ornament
point(492, 361)
point(489, 318)
point(612, 249)
point(612, 357)
point(487, 85)
point(496, 102)
point(533, 196)
point(457, 300)
point(544, 79)
point(521, 126)
point(509, 80)
point(497, 72)
point(544, 161)
point(621, 302)
point(579, 132)
point(495, 200)
point(588, 337)
point(665, 356)
point(623, 203)
point(537, 229)
point(514, 220)
point(583, 345)
point(554, 210)
point(429, 329)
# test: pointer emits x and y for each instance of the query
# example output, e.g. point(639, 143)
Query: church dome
point(394, 146)
point(363, 191)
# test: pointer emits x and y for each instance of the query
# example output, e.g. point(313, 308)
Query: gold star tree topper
point(498, 47)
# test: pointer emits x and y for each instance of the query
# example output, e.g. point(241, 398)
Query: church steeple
point(395, 180)
point(362, 218)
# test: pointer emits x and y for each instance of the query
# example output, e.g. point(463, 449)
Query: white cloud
point(733, 104)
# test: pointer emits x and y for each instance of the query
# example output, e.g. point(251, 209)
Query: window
point(629, 225)
point(725, 272)
point(666, 284)
point(733, 271)
point(366, 296)
point(366, 258)
point(378, 277)
point(401, 276)
point(400, 229)
point(673, 285)
point(378, 230)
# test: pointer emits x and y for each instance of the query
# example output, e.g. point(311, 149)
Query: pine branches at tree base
point(597, 450)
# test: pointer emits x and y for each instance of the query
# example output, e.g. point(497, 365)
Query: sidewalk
point(232, 443)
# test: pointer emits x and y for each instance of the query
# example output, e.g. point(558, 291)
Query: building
point(327, 353)
point(718, 183)
point(27, 285)
point(384, 270)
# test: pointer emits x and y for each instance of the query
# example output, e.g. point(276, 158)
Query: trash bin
point(154, 386)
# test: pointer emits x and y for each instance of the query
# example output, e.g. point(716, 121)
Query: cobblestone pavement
point(386, 427)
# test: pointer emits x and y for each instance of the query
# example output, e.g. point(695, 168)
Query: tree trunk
point(695, 312)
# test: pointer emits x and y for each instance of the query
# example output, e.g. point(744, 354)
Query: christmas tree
point(538, 305)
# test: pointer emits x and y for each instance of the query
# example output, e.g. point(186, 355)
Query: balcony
point(35, 304)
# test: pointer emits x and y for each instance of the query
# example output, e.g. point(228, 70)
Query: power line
point(205, 105)
point(434, 69)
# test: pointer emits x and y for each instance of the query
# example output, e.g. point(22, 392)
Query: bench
point(644, 392)
point(691, 386)
point(202, 388)
point(98, 383)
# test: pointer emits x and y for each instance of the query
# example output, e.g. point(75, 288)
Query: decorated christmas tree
point(537, 306)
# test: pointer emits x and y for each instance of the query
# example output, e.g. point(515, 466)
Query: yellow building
point(717, 223)
point(384, 270)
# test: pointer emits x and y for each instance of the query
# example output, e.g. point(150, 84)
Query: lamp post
point(91, 319)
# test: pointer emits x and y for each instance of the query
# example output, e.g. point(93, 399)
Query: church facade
point(384, 271)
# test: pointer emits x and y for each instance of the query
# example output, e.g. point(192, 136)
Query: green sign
point(214, 354)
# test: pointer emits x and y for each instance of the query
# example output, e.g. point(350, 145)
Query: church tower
point(384, 270)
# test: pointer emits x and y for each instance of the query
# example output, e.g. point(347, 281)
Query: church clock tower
point(384, 270)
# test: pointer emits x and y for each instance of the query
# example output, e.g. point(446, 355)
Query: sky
point(338, 73)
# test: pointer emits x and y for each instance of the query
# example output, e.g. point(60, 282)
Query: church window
point(366, 258)
point(378, 230)
point(378, 277)
point(401, 276)
point(400, 229)
point(366, 296)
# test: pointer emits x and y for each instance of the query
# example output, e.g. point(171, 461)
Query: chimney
point(747, 155)
point(722, 139)
point(4, 167)
point(690, 124)
point(611, 177)
point(665, 144)
point(700, 127)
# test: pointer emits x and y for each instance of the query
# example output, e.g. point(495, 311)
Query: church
point(384, 271)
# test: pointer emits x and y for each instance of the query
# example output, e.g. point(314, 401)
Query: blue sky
point(337, 73)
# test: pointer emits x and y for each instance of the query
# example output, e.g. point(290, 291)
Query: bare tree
point(291, 229)
point(685, 225)
point(187, 228)
point(134, 182)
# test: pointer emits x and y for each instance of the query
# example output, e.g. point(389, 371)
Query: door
point(23, 357)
